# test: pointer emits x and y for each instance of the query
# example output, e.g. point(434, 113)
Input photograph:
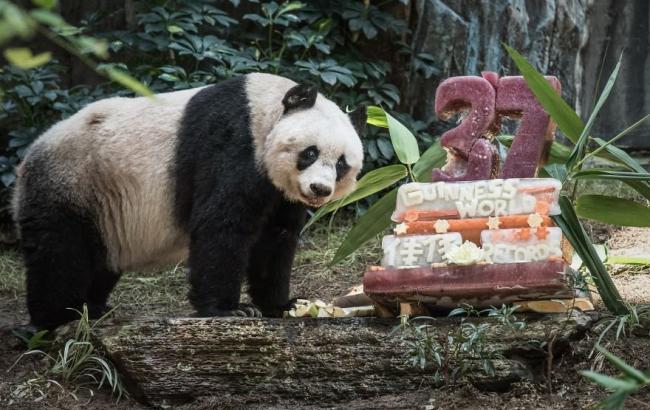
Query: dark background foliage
point(352, 51)
point(183, 44)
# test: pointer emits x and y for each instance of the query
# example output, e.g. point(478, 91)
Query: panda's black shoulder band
point(299, 97)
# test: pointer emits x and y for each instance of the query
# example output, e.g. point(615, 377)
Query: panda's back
point(113, 158)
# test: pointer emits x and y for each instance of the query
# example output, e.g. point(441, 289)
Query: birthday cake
point(480, 234)
point(476, 242)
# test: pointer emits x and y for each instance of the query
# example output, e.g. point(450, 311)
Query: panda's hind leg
point(65, 259)
point(104, 280)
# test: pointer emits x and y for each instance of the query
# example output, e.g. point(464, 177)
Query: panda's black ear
point(299, 97)
point(359, 117)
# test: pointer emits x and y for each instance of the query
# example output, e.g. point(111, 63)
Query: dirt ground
point(164, 294)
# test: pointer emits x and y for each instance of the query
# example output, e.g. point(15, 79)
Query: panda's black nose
point(320, 190)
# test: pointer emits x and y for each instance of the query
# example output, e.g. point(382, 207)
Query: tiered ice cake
point(477, 242)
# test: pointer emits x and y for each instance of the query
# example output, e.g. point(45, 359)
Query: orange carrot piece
point(470, 229)
point(414, 215)
point(542, 233)
point(523, 234)
point(537, 189)
point(541, 207)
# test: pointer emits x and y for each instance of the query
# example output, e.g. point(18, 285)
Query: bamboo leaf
point(557, 171)
point(580, 148)
point(369, 225)
point(615, 401)
point(23, 58)
point(376, 116)
point(127, 81)
point(294, 5)
point(628, 370)
point(612, 210)
point(572, 228)
point(559, 153)
point(628, 260)
point(404, 142)
point(610, 383)
point(620, 156)
point(565, 117)
point(434, 157)
point(371, 183)
point(606, 145)
point(48, 4)
point(641, 187)
point(604, 173)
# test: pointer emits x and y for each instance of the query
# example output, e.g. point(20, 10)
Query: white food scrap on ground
point(318, 308)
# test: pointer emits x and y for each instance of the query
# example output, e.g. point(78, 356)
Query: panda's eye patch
point(342, 167)
point(307, 157)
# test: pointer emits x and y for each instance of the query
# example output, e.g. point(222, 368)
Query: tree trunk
point(322, 361)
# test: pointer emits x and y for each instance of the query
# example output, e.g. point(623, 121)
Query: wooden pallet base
point(555, 305)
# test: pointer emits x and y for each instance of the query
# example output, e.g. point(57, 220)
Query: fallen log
point(317, 361)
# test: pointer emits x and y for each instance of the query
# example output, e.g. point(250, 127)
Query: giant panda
point(219, 176)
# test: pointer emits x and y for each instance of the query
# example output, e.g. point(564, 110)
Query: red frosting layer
point(498, 282)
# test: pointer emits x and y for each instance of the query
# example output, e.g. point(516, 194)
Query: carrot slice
point(537, 189)
point(470, 229)
point(414, 215)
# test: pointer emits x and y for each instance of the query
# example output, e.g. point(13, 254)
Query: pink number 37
point(487, 99)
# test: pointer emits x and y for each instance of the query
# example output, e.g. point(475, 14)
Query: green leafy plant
point(609, 209)
point(33, 341)
point(628, 382)
point(451, 353)
point(76, 364)
point(504, 315)
point(636, 318)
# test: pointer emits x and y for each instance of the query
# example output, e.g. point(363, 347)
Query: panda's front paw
point(278, 311)
point(246, 310)
point(243, 310)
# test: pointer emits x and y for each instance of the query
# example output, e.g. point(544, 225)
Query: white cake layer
point(473, 199)
point(521, 245)
point(417, 250)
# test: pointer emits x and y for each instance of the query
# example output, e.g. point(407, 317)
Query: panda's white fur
point(121, 148)
point(299, 130)
point(279, 139)
point(114, 156)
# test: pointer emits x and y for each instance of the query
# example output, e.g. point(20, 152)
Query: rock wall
point(620, 26)
point(465, 36)
point(571, 39)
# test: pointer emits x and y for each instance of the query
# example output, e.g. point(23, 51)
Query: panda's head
point(313, 154)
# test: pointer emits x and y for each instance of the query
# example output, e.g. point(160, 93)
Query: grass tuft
point(76, 367)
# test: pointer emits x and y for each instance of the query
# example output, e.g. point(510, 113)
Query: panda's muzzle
point(320, 190)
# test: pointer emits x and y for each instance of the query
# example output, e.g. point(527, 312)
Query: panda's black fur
point(220, 192)
point(61, 247)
